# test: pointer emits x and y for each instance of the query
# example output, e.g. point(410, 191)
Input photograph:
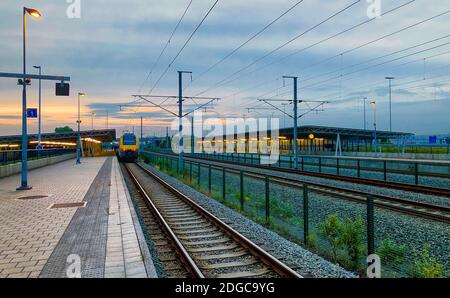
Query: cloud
point(110, 50)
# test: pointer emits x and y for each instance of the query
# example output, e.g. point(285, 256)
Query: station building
point(92, 141)
point(313, 139)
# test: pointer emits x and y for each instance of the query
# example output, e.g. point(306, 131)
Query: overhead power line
point(165, 46)
point(247, 41)
point(325, 40)
point(183, 47)
point(224, 81)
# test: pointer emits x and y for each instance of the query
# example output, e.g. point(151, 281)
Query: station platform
point(77, 221)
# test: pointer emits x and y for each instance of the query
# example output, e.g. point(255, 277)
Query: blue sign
point(432, 139)
point(32, 113)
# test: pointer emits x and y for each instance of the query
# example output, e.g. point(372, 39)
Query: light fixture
point(33, 12)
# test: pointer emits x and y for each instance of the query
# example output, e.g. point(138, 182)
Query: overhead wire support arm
point(158, 106)
point(202, 106)
point(275, 107)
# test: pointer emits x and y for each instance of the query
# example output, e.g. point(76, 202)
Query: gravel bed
point(305, 262)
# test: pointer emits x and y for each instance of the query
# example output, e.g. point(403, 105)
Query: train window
point(129, 139)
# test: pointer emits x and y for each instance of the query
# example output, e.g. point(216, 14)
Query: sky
point(110, 53)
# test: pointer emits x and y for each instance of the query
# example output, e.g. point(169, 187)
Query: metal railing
point(15, 156)
point(301, 214)
point(428, 173)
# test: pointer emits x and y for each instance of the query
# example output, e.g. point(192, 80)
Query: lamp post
point(374, 107)
point(24, 175)
point(92, 131)
point(39, 147)
point(390, 101)
point(80, 94)
point(365, 123)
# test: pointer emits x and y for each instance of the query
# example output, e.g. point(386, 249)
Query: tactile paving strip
point(86, 235)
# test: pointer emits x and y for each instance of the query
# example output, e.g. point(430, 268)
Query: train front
point(128, 148)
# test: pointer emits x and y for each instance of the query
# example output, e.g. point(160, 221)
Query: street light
point(390, 101)
point(39, 147)
point(373, 104)
point(92, 128)
point(80, 94)
point(365, 123)
point(24, 176)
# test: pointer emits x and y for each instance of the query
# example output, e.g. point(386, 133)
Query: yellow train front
point(128, 148)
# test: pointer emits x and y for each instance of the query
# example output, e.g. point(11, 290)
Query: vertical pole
point(209, 179)
point(79, 137)
point(24, 174)
point(192, 136)
point(267, 187)
point(416, 173)
point(198, 177)
point(142, 126)
point(180, 118)
point(223, 184)
point(40, 108)
point(370, 226)
point(241, 185)
point(305, 214)
point(295, 125)
point(365, 125)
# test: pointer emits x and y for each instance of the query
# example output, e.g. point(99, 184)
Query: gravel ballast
point(303, 261)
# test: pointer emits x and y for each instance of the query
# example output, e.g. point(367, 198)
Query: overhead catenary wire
point(259, 32)
point(318, 43)
point(183, 47)
point(165, 46)
point(224, 81)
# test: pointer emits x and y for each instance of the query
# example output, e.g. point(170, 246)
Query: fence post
point(190, 172)
point(267, 201)
point(385, 170)
point(223, 184)
point(359, 168)
point(305, 214)
point(320, 164)
point(209, 179)
point(370, 226)
point(198, 177)
point(241, 185)
point(337, 166)
point(416, 173)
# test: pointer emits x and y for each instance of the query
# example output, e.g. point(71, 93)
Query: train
point(128, 150)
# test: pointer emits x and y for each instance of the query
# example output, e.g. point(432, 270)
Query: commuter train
point(128, 150)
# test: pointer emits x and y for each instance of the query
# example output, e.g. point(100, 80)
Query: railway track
point(393, 185)
point(205, 246)
point(405, 206)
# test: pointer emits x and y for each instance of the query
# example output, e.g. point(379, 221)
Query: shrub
point(426, 265)
point(330, 230)
point(312, 241)
point(352, 238)
point(391, 253)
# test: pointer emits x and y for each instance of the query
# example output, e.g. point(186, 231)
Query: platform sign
point(62, 89)
point(32, 113)
point(432, 140)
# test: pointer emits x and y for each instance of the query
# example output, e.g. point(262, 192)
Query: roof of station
point(106, 135)
point(325, 131)
point(332, 132)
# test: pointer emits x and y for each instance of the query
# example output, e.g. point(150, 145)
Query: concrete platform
point(101, 239)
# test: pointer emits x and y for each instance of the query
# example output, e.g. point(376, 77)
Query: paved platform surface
point(103, 239)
